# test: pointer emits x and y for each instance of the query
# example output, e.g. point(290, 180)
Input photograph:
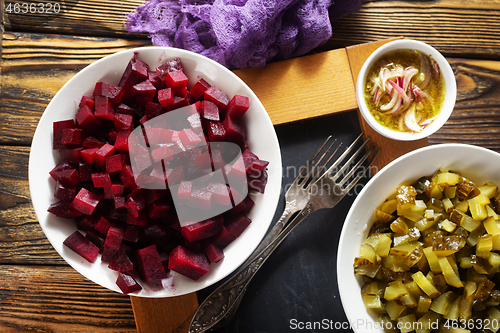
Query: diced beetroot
point(150, 267)
point(114, 190)
point(159, 136)
point(96, 238)
point(144, 92)
point(248, 159)
point(203, 161)
point(235, 131)
point(131, 234)
point(179, 102)
point(169, 66)
point(72, 136)
point(124, 109)
point(162, 153)
point(112, 243)
point(70, 155)
point(81, 245)
point(244, 206)
point(101, 179)
point(88, 155)
point(213, 252)
point(209, 110)
point(114, 164)
point(87, 100)
point(166, 97)
point(156, 80)
point(123, 122)
point(121, 262)
point(65, 172)
point(189, 138)
point(153, 110)
point(64, 209)
point(64, 191)
point(195, 122)
point(127, 283)
point(152, 233)
point(217, 96)
point(257, 168)
point(202, 200)
point(121, 142)
point(57, 132)
point(177, 80)
point(118, 201)
point(92, 142)
point(200, 230)
point(236, 224)
point(85, 201)
point(136, 71)
point(127, 177)
point(199, 88)
point(175, 175)
point(237, 106)
point(223, 239)
point(134, 206)
point(86, 119)
point(101, 155)
point(220, 194)
point(238, 174)
point(110, 91)
point(157, 210)
point(103, 224)
point(184, 190)
point(188, 262)
point(85, 171)
point(216, 131)
point(258, 184)
point(141, 158)
point(104, 109)
point(141, 220)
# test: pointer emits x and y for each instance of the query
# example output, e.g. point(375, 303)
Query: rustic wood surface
point(38, 55)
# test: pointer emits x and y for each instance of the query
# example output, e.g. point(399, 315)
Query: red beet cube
point(124, 109)
point(257, 168)
point(57, 132)
point(121, 262)
point(127, 177)
point(88, 155)
point(64, 209)
point(153, 110)
point(156, 80)
point(85, 201)
point(216, 131)
point(169, 66)
point(87, 100)
point(223, 239)
point(136, 202)
point(199, 88)
point(123, 122)
point(121, 142)
point(104, 109)
point(177, 80)
point(220, 194)
point(166, 97)
point(101, 155)
point(136, 71)
point(217, 96)
point(236, 224)
point(200, 230)
point(112, 243)
point(209, 110)
point(141, 220)
point(72, 136)
point(85, 171)
point(237, 106)
point(150, 267)
point(86, 119)
point(202, 200)
point(95, 237)
point(114, 190)
point(184, 190)
point(235, 131)
point(175, 175)
point(189, 263)
point(66, 173)
point(157, 210)
point(81, 245)
point(70, 155)
point(162, 153)
point(92, 142)
point(189, 138)
point(118, 201)
point(127, 283)
point(144, 92)
point(101, 179)
point(258, 184)
point(114, 164)
point(110, 91)
point(64, 191)
point(103, 225)
point(213, 252)
point(179, 102)
point(131, 234)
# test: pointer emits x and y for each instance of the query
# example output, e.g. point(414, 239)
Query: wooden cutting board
point(290, 90)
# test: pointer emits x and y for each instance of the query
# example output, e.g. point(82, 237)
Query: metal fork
point(220, 306)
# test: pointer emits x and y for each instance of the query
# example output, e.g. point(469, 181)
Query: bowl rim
point(160, 54)
point(449, 99)
point(364, 314)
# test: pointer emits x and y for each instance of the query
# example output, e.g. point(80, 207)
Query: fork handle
point(228, 295)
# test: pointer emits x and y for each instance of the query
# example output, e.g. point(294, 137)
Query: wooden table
point(40, 292)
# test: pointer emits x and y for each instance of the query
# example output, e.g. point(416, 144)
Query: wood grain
point(59, 299)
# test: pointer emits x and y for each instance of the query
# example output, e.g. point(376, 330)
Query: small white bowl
point(261, 137)
point(478, 164)
point(449, 80)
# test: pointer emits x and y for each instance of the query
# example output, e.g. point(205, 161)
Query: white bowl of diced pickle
point(421, 254)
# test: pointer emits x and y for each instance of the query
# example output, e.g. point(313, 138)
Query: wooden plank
point(151, 313)
point(457, 28)
point(59, 299)
point(304, 87)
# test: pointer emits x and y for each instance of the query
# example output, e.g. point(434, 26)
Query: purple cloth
point(240, 33)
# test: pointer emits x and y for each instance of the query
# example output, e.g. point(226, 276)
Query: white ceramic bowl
point(449, 99)
point(260, 134)
point(478, 164)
